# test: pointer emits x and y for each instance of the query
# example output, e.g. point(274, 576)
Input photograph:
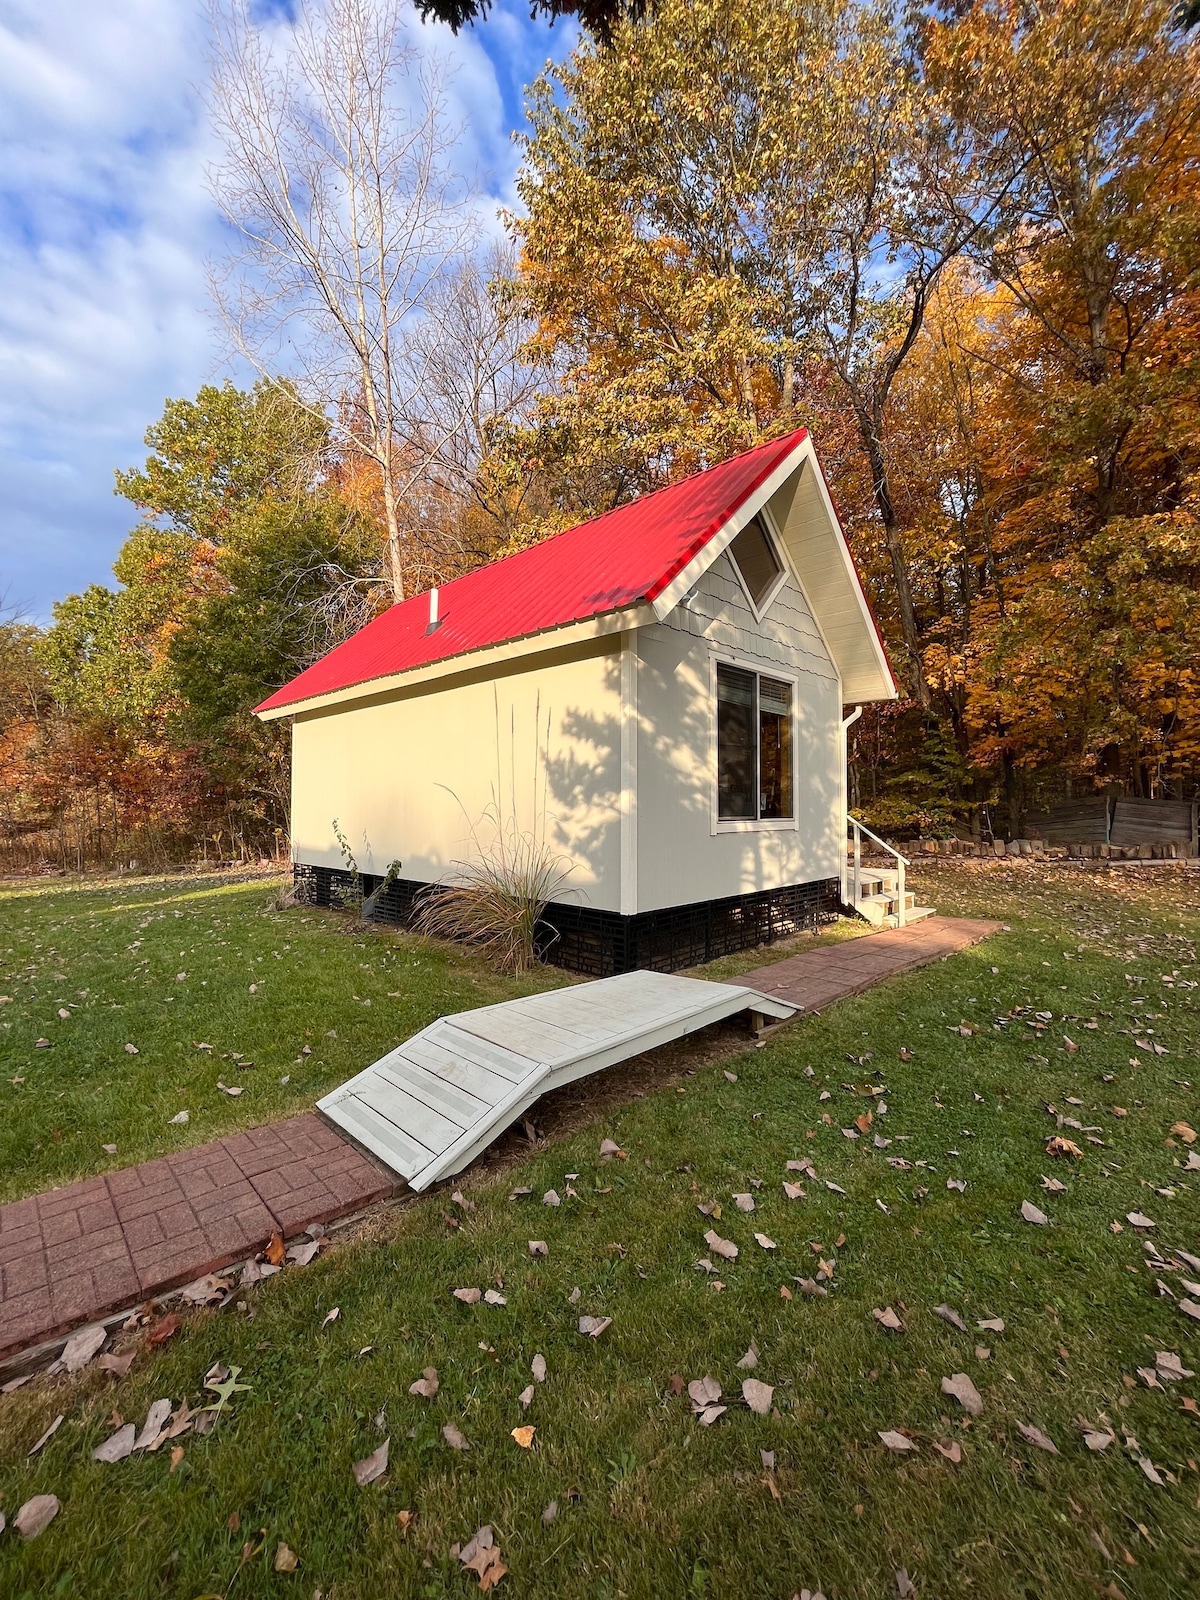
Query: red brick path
point(818, 977)
point(73, 1254)
point(77, 1253)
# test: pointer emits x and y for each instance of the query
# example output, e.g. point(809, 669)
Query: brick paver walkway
point(76, 1253)
point(816, 978)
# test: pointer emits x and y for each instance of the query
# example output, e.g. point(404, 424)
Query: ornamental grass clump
point(495, 900)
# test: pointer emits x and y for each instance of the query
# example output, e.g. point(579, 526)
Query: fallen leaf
point(1095, 1440)
point(899, 1442)
point(131, 1050)
point(493, 1297)
point(1037, 1437)
point(285, 1560)
point(724, 1248)
point(904, 1584)
point(550, 1198)
point(538, 1368)
point(704, 1392)
point(525, 1398)
point(524, 1436)
point(948, 1314)
point(156, 1420)
point(609, 1149)
point(538, 1247)
point(405, 1520)
point(992, 1324)
point(793, 1191)
point(117, 1446)
point(275, 1251)
point(887, 1318)
point(1058, 1146)
point(1031, 1213)
point(371, 1467)
point(180, 1118)
point(594, 1326)
point(1054, 1186)
point(1171, 1367)
point(750, 1360)
point(1184, 1131)
point(48, 1435)
point(469, 1297)
point(109, 1149)
point(960, 1387)
point(1138, 1219)
point(950, 1448)
point(1190, 1309)
point(176, 1456)
point(426, 1386)
point(164, 1330)
point(758, 1396)
point(1150, 1470)
point(331, 1316)
point(36, 1515)
point(454, 1437)
point(301, 1254)
point(744, 1202)
point(550, 1513)
point(81, 1347)
point(767, 1244)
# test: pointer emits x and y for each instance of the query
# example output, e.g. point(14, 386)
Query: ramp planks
point(431, 1105)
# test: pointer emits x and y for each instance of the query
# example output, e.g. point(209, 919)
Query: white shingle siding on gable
point(680, 858)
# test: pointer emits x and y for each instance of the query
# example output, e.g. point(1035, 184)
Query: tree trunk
point(873, 445)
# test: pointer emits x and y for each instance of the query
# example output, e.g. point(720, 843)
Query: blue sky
point(105, 227)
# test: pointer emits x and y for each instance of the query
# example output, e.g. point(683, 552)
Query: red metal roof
point(608, 564)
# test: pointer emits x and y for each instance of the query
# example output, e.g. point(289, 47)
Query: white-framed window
point(754, 755)
point(758, 564)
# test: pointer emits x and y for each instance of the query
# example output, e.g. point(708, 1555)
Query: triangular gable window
point(759, 568)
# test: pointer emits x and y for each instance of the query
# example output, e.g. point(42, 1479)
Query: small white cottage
point(658, 693)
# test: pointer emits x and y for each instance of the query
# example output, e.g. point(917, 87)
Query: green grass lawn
point(168, 965)
point(649, 1502)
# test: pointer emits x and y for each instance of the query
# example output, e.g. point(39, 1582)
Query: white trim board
point(430, 1106)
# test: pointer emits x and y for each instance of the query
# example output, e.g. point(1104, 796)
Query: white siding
point(407, 775)
point(680, 858)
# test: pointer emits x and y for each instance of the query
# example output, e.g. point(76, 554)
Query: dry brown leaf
point(750, 1360)
point(81, 1347)
point(1037, 1437)
point(992, 1324)
point(176, 1456)
point(1031, 1214)
point(117, 1446)
point(117, 1365)
point(469, 1297)
point(36, 1515)
point(550, 1513)
point(285, 1560)
point(426, 1386)
point(887, 1318)
point(164, 1330)
point(758, 1396)
point(793, 1191)
point(744, 1202)
point(724, 1248)
point(538, 1247)
point(538, 1367)
point(455, 1437)
point(1097, 1440)
point(960, 1387)
point(948, 1314)
point(764, 1241)
point(331, 1316)
point(48, 1435)
point(1058, 1146)
point(1138, 1219)
point(371, 1467)
point(899, 1442)
point(950, 1448)
point(704, 1392)
point(524, 1436)
point(594, 1326)
point(1184, 1131)
point(405, 1520)
point(276, 1250)
point(525, 1398)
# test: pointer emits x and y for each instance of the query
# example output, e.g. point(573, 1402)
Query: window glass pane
point(736, 729)
point(775, 752)
point(756, 560)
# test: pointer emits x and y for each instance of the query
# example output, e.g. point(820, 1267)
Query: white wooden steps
point(430, 1106)
point(879, 900)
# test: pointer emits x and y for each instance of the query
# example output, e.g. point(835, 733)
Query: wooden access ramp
point(429, 1107)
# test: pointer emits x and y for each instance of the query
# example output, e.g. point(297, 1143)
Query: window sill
point(765, 825)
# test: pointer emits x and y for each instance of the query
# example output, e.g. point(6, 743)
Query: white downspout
point(847, 724)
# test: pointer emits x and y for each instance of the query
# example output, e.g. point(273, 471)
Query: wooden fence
point(1116, 820)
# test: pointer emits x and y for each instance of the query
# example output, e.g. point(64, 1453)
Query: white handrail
point(901, 861)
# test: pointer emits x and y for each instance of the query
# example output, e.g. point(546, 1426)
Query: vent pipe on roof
point(434, 619)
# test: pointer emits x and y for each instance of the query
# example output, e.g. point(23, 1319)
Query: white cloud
point(105, 225)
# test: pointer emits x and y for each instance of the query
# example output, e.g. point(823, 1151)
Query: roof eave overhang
point(571, 633)
point(665, 603)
